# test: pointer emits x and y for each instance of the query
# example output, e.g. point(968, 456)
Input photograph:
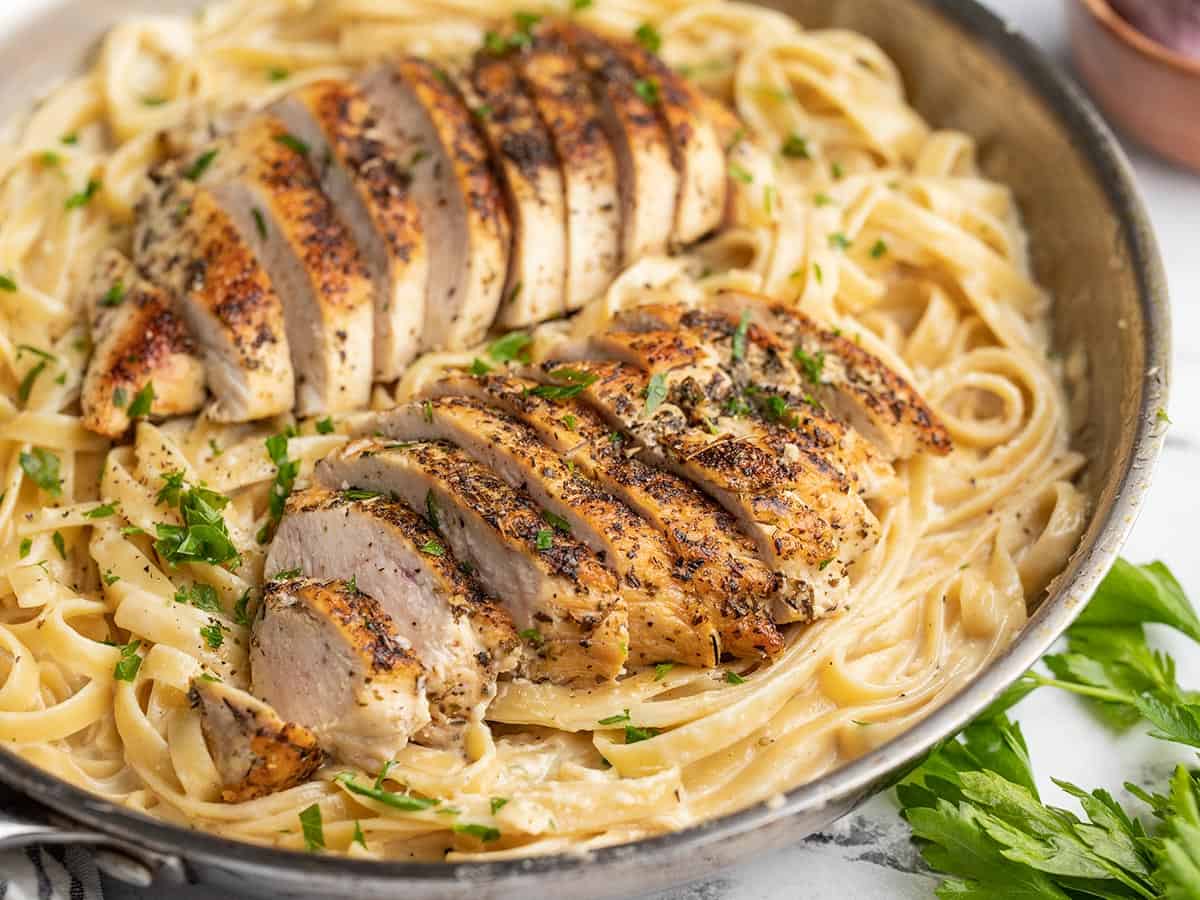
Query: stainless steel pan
point(1092, 247)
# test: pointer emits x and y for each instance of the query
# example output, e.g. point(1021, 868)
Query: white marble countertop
point(868, 854)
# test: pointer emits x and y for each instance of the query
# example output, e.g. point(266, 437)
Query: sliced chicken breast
point(533, 184)
point(565, 603)
point(187, 244)
point(713, 556)
point(696, 147)
point(263, 180)
point(137, 340)
point(463, 211)
point(326, 655)
point(853, 384)
point(366, 175)
point(666, 622)
point(562, 92)
point(461, 637)
point(648, 182)
point(807, 524)
point(256, 753)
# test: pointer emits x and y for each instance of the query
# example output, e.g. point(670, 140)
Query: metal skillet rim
point(863, 776)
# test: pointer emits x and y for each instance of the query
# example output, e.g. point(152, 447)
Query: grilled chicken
point(564, 601)
point(256, 753)
point(462, 638)
point(666, 622)
point(138, 340)
point(713, 557)
point(467, 231)
point(187, 244)
point(368, 181)
point(533, 184)
point(648, 181)
point(326, 655)
point(853, 384)
point(262, 178)
point(696, 147)
point(562, 92)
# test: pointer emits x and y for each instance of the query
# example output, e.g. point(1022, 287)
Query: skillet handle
point(23, 823)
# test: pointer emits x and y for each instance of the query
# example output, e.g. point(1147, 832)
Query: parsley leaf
point(615, 720)
point(403, 802)
point(325, 425)
point(795, 147)
point(293, 143)
point(142, 402)
point(544, 539)
point(484, 833)
point(310, 824)
point(127, 666)
point(286, 471)
point(575, 383)
point(203, 536)
point(647, 89)
point(213, 634)
point(84, 197)
point(647, 35)
point(513, 346)
point(197, 169)
point(739, 336)
point(656, 392)
point(635, 733)
point(42, 467)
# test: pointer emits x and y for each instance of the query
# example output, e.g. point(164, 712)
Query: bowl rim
point(1126, 32)
point(1108, 166)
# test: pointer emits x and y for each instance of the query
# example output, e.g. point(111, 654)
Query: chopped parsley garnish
point(824, 564)
point(203, 536)
point(286, 471)
point(839, 241)
point(325, 426)
point(202, 596)
point(241, 611)
point(36, 351)
point(739, 336)
point(575, 382)
point(531, 636)
point(403, 802)
point(835, 169)
point(557, 521)
point(287, 574)
point(636, 733)
point(42, 466)
point(359, 838)
point(661, 669)
point(127, 666)
point(512, 346)
point(483, 111)
point(526, 20)
point(109, 578)
point(544, 539)
point(732, 677)
point(59, 544)
point(50, 158)
point(433, 548)
point(8, 283)
point(119, 398)
point(498, 803)
point(213, 634)
point(812, 365)
point(293, 143)
point(154, 101)
point(70, 139)
point(647, 35)
point(578, 5)
point(740, 174)
point(259, 222)
point(114, 295)
point(142, 402)
point(495, 43)
point(197, 169)
point(277, 74)
point(485, 833)
point(479, 367)
point(878, 249)
point(216, 448)
point(427, 410)
point(360, 494)
point(25, 388)
point(822, 199)
point(84, 197)
point(26, 546)
point(656, 392)
point(1162, 416)
point(570, 422)
point(314, 831)
point(818, 273)
point(431, 511)
point(616, 720)
point(795, 147)
point(647, 89)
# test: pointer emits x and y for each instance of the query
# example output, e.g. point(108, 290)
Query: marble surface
point(868, 854)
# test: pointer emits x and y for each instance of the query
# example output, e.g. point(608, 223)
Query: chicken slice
point(263, 179)
point(851, 383)
point(187, 244)
point(666, 622)
point(461, 637)
point(137, 340)
point(256, 753)
point(565, 602)
point(807, 524)
point(463, 212)
point(647, 178)
point(533, 183)
point(713, 556)
point(326, 655)
point(562, 92)
point(365, 173)
point(696, 147)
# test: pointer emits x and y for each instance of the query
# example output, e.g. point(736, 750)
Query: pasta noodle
point(874, 222)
